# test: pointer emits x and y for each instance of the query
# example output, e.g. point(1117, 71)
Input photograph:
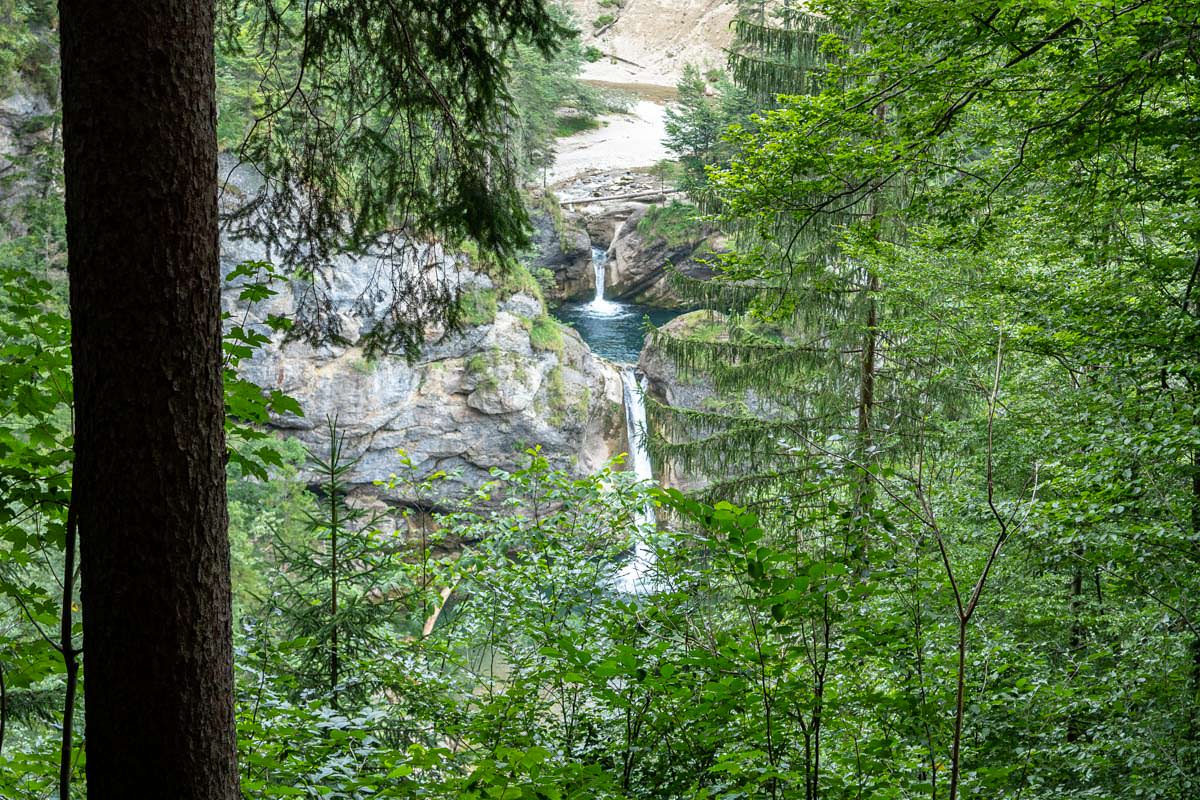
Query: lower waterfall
point(634, 576)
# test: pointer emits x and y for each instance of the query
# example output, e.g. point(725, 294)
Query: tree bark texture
point(140, 138)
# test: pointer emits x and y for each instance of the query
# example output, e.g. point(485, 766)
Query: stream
point(633, 577)
point(616, 331)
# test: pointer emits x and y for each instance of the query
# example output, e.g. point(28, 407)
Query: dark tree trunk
point(139, 132)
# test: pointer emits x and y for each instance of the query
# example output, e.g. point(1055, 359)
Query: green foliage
point(431, 664)
point(336, 598)
point(540, 89)
point(36, 436)
point(556, 392)
point(248, 406)
point(986, 586)
point(696, 122)
point(420, 134)
point(420, 85)
point(35, 485)
point(545, 281)
point(549, 202)
point(260, 512)
point(603, 20)
point(481, 368)
point(675, 223)
point(702, 326)
point(27, 45)
point(515, 278)
point(990, 214)
point(571, 124)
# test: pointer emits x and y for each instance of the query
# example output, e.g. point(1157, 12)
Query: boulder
point(605, 220)
point(670, 385)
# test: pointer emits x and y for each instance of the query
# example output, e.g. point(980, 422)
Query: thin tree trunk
point(960, 691)
point(865, 444)
point(333, 582)
point(866, 392)
point(1193, 727)
point(149, 481)
point(70, 656)
point(3, 708)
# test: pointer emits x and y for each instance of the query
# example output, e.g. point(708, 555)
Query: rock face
point(667, 385)
point(605, 220)
point(654, 38)
point(641, 262)
point(664, 380)
point(563, 247)
point(469, 402)
point(25, 126)
point(678, 388)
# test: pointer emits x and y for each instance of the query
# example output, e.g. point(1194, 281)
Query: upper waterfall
point(598, 305)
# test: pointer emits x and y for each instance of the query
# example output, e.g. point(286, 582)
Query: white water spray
point(599, 306)
point(634, 576)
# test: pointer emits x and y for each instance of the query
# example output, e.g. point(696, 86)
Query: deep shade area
point(612, 329)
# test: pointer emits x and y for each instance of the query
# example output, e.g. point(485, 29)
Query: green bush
point(545, 335)
point(569, 125)
point(676, 223)
point(477, 307)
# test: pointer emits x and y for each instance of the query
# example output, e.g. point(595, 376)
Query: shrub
point(676, 223)
point(571, 124)
point(477, 307)
point(545, 335)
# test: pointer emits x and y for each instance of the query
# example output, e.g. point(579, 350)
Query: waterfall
point(599, 264)
point(634, 576)
point(599, 306)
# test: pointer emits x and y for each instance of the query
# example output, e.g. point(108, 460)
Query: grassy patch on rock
point(571, 124)
point(545, 335)
point(675, 223)
point(477, 307)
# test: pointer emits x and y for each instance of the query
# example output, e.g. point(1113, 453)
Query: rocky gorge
point(513, 375)
point(508, 378)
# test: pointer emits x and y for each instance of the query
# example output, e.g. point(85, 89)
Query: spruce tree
point(336, 589)
point(803, 361)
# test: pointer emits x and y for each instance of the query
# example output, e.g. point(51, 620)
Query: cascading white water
point(599, 264)
point(599, 306)
point(634, 575)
